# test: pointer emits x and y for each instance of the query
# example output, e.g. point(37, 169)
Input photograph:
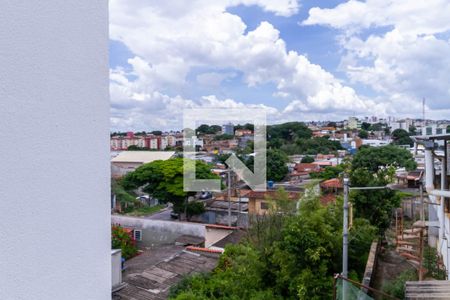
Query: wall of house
point(213, 235)
point(159, 232)
point(54, 216)
point(120, 169)
point(116, 267)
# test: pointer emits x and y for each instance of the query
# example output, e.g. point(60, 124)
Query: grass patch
point(146, 210)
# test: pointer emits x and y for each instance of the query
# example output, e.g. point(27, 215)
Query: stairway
point(410, 242)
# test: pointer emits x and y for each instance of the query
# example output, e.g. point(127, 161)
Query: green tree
point(448, 129)
point(286, 255)
point(276, 164)
point(206, 129)
point(163, 179)
point(363, 134)
point(156, 132)
point(412, 130)
point(376, 167)
point(288, 132)
point(365, 126)
point(224, 136)
point(307, 159)
point(401, 137)
point(372, 158)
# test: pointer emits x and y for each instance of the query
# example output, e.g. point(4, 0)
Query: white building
point(128, 161)
point(354, 123)
point(375, 143)
point(438, 222)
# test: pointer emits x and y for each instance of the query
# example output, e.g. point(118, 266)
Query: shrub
point(396, 287)
point(121, 239)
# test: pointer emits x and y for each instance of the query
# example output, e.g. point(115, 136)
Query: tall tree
point(375, 166)
point(401, 137)
point(163, 179)
point(372, 158)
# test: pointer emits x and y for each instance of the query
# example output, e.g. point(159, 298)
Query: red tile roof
point(332, 183)
point(305, 167)
point(264, 195)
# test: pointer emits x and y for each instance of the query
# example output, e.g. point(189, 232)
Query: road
point(161, 215)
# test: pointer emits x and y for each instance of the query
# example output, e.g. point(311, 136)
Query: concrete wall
point(116, 267)
point(54, 194)
point(159, 232)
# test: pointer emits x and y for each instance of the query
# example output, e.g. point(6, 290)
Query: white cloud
point(168, 41)
point(405, 62)
point(418, 17)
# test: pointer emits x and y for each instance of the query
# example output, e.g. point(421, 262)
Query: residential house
point(330, 189)
point(259, 202)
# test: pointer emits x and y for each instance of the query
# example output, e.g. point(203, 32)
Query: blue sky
point(299, 60)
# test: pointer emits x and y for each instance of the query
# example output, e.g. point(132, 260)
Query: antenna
point(423, 110)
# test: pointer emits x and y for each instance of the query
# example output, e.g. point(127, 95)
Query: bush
point(396, 287)
point(431, 263)
point(121, 239)
point(195, 208)
point(307, 159)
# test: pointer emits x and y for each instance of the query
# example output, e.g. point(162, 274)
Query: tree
point(401, 137)
point(156, 132)
point(376, 167)
point(307, 159)
point(224, 136)
point(376, 127)
point(332, 124)
point(330, 172)
point(372, 158)
point(365, 126)
point(312, 146)
point(276, 164)
point(206, 129)
point(412, 130)
point(288, 132)
point(194, 208)
point(286, 256)
point(163, 179)
point(448, 129)
point(363, 134)
point(137, 148)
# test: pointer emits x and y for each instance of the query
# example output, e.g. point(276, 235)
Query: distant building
point(259, 202)
point(354, 123)
point(242, 132)
point(228, 129)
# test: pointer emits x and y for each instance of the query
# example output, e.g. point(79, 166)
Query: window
point(137, 235)
point(264, 205)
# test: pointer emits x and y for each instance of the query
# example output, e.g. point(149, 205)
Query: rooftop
point(150, 275)
point(142, 156)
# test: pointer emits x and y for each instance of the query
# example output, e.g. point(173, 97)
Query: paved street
point(161, 215)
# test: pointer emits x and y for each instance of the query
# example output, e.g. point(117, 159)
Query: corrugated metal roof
point(142, 156)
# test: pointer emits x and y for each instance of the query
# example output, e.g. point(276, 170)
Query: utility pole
point(345, 237)
point(345, 228)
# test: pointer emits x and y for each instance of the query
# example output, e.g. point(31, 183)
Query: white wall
point(54, 192)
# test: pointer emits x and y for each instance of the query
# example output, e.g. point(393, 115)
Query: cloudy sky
point(300, 60)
